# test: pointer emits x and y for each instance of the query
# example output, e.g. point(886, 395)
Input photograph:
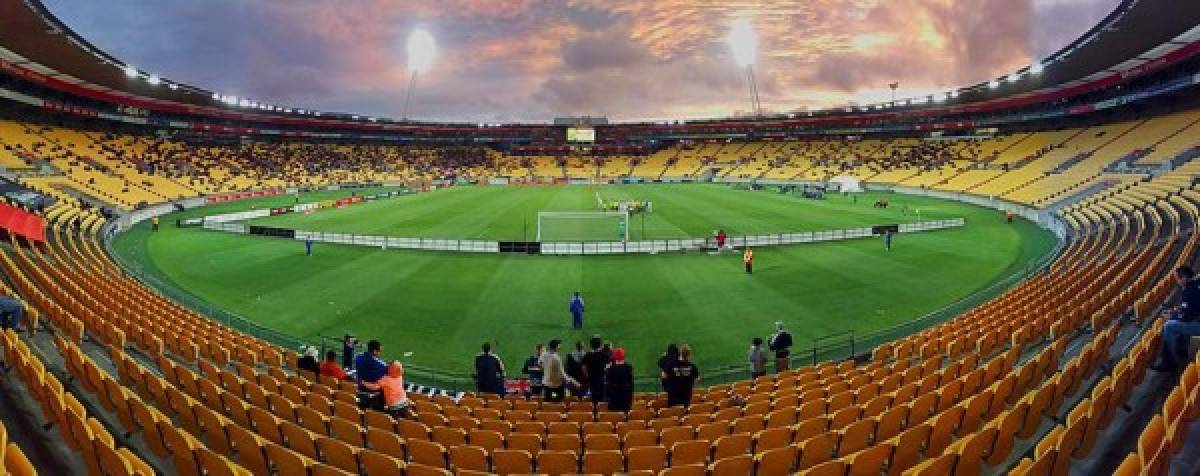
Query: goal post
point(583, 226)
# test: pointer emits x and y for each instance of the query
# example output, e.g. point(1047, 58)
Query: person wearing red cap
point(618, 378)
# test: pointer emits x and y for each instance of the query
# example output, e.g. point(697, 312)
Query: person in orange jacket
point(748, 260)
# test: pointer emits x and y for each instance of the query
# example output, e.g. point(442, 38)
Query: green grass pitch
point(442, 306)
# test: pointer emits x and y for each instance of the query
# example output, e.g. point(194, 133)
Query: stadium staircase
point(1082, 194)
point(1126, 164)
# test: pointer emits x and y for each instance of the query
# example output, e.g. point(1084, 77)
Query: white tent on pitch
point(847, 184)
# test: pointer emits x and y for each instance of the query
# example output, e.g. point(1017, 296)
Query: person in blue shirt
point(11, 312)
point(576, 311)
point(308, 242)
point(369, 366)
point(1183, 322)
point(887, 240)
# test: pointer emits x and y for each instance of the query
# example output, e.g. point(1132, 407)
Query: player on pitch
point(748, 260)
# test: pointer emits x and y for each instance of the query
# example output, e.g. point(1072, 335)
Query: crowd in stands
point(599, 373)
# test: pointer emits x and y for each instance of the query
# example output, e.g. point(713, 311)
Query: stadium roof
point(1138, 37)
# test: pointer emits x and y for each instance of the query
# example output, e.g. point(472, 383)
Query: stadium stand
point(992, 388)
point(1051, 377)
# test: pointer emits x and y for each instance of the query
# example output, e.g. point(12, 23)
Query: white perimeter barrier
point(596, 247)
point(698, 244)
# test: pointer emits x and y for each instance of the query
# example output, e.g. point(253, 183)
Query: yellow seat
point(375, 463)
point(780, 460)
point(645, 458)
point(816, 450)
point(556, 462)
point(16, 463)
point(505, 462)
point(426, 453)
point(338, 454)
point(741, 465)
point(603, 462)
point(468, 457)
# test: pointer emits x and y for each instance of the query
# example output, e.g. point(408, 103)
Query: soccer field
point(441, 306)
point(680, 211)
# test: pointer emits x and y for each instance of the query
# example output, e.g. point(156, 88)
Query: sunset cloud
point(505, 60)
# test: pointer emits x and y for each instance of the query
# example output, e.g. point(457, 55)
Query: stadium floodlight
point(994, 84)
point(130, 71)
point(421, 49)
point(154, 80)
point(743, 42)
point(1036, 68)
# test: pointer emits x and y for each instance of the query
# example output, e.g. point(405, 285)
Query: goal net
point(583, 226)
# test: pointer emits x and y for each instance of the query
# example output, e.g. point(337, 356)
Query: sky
point(533, 60)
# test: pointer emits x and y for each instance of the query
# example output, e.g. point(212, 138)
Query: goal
point(583, 226)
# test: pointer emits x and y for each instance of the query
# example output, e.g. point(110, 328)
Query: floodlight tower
point(744, 44)
point(421, 49)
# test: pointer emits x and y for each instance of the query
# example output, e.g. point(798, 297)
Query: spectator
point(330, 367)
point(757, 358)
point(395, 399)
point(533, 370)
point(489, 372)
point(369, 366)
point(308, 361)
point(555, 379)
point(665, 362)
point(11, 312)
point(349, 346)
point(681, 378)
point(781, 343)
point(574, 365)
point(1183, 323)
point(618, 380)
point(594, 363)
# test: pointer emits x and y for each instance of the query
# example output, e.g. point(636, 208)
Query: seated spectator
point(330, 367)
point(395, 399)
point(308, 361)
point(11, 312)
point(1183, 323)
point(369, 366)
